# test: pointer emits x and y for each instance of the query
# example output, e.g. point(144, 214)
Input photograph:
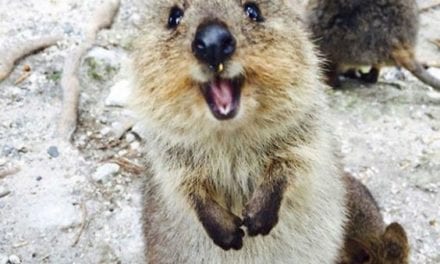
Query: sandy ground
point(73, 204)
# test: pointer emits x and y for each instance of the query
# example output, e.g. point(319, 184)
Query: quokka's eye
point(253, 12)
point(176, 15)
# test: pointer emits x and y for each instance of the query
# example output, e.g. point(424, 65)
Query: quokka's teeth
point(225, 110)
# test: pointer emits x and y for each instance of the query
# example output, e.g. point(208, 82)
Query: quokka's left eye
point(176, 16)
point(253, 12)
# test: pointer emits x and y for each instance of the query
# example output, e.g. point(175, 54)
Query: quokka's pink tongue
point(222, 93)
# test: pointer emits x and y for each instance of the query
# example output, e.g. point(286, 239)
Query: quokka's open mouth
point(223, 96)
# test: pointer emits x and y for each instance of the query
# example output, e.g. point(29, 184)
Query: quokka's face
point(218, 62)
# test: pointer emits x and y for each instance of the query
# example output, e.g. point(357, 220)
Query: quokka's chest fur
point(233, 166)
point(305, 205)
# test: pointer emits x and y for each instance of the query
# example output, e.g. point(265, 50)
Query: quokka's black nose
point(213, 44)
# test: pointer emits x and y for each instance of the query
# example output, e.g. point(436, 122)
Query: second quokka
point(243, 168)
point(353, 34)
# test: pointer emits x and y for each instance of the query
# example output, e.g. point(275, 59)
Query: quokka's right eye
point(253, 12)
point(176, 16)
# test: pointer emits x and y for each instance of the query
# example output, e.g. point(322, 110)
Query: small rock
point(130, 138)
point(135, 145)
point(39, 178)
point(4, 191)
point(53, 152)
point(123, 152)
point(105, 131)
point(104, 173)
point(68, 29)
point(120, 128)
point(139, 129)
point(435, 72)
point(434, 95)
point(136, 20)
point(4, 259)
point(13, 259)
point(9, 150)
point(119, 94)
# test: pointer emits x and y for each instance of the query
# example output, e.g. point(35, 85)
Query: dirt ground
point(81, 203)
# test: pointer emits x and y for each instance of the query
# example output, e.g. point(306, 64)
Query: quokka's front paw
point(222, 226)
point(228, 236)
point(260, 215)
point(260, 222)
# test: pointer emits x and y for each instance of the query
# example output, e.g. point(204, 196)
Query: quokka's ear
point(358, 253)
point(395, 244)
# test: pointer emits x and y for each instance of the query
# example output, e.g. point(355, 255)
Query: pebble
point(4, 259)
point(119, 94)
point(139, 129)
point(130, 138)
point(435, 72)
point(434, 95)
point(136, 20)
point(104, 173)
point(9, 150)
point(68, 29)
point(135, 145)
point(53, 152)
point(105, 131)
point(4, 191)
point(14, 259)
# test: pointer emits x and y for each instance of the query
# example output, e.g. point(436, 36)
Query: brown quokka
point(367, 240)
point(357, 33)
point(243, 168)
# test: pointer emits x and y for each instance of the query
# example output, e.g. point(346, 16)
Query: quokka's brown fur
point(261, 187)
point(367, 241)
point(357, 33)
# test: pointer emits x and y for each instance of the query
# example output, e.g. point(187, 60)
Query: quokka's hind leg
point(372, 76)
point(331, 71)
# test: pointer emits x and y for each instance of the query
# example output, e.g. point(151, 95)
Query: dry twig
point(20, 244)
point(128, 165)
point(103, 18)
point(429, 7)
point(27, 71)
point(83, 223)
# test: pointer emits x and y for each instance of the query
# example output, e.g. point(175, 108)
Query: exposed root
point(70, 83)
point(10, 55)
point(429, 7)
